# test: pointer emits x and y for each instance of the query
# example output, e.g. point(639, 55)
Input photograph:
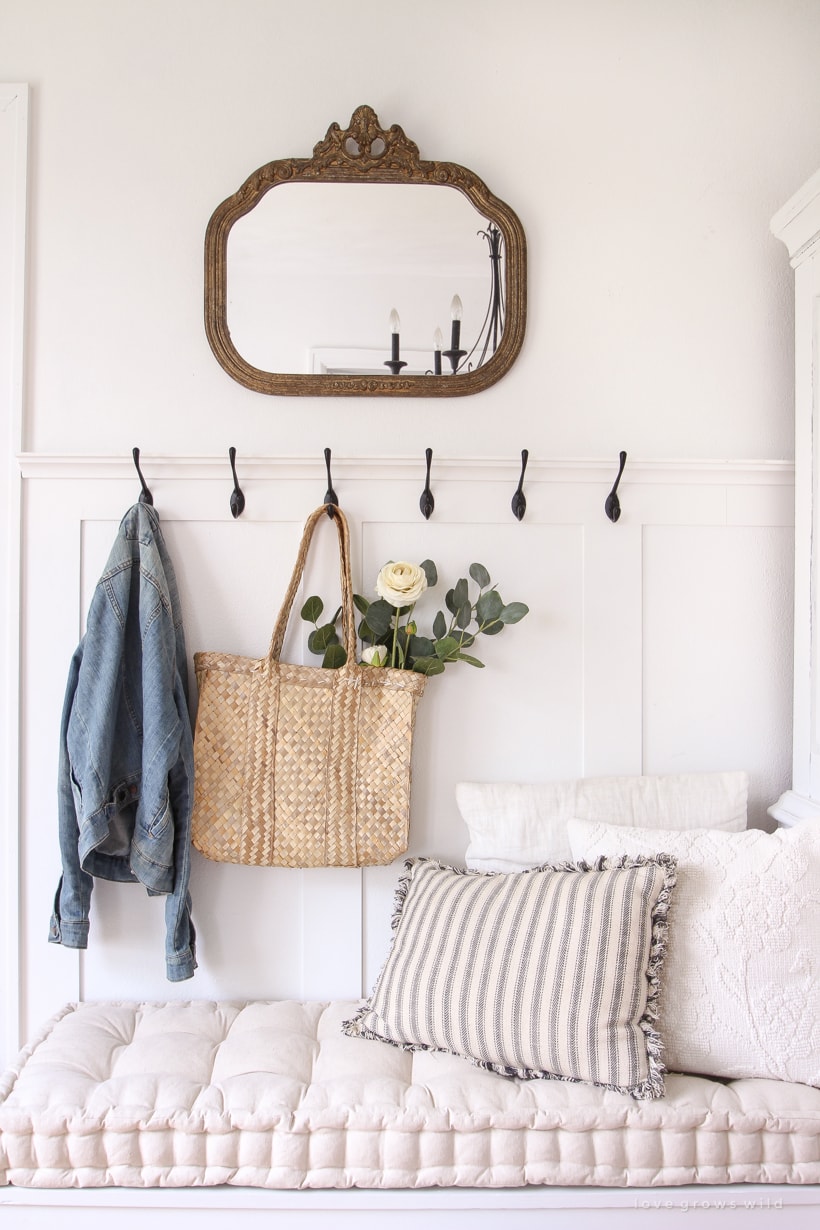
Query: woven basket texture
point(301, 766)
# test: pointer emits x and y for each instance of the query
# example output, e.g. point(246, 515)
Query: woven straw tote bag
point(303, 766)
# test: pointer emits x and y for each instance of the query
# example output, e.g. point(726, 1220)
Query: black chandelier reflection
point(489, 335)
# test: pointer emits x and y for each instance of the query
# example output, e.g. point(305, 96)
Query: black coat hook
point(330, 495)
point(612, 507)
point(145, 497)
point(237, 495)
point(426, 501)
point(519, 501)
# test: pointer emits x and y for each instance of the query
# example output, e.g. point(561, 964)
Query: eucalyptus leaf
point(449, 601)
point(366, 633)
point(361, 604)
point(335, 656)
point(513, 612)
point(312, 609)
point(428, 666)
point(380, 616)
point(489, 607)
point(480, 575)
point(460, 594)
point(465, 614)
point(493, 629)
point(321, 637)
point(439, 626)
point(430, 571)
point(465, 657)
point(446, 646)
point(421, 647)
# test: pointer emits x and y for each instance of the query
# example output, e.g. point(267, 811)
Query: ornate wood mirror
point(364, 273)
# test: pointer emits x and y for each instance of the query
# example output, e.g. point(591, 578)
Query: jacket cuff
point(72, 935)
point(181, 966)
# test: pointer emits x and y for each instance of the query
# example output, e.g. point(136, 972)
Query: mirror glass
point(355, 271)
point(315, 270)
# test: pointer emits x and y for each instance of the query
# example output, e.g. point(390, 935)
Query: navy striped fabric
point(551, 972)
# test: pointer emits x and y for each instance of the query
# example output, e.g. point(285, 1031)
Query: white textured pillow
point(741, 994)
point(517, 825)
point(551, 972)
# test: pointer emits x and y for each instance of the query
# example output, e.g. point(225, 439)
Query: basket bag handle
point(348, 614)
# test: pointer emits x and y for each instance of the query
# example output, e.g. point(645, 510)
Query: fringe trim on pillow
point(653, 1085)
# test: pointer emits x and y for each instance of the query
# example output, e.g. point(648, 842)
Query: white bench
point(198, 1107)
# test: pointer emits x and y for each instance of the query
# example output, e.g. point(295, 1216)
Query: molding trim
point(792, 808)
point(797, 223)
point(465, 469)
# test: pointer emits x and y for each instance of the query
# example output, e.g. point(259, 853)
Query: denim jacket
point(126, 746)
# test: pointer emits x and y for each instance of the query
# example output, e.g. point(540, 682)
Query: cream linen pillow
point(741, 994)
point(517, 825)
point(549, 973)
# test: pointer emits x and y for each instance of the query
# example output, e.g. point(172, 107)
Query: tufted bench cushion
point(275, 1095)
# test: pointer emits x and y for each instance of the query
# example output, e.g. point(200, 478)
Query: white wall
point(644, 144)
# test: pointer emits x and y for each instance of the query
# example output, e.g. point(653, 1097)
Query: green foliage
point(321, 637)
point(514, 612)
point(489, 607)
point(480, 575)
point(312, 610)
point(335, 656)
point(407, 649)
point(380, 616)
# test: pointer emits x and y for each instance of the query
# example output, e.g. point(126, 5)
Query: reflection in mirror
point(320, 275)
point(367, 271)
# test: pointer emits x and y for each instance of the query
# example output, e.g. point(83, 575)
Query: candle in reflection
point(438, 342)
point(455, 311)
point(395, 327)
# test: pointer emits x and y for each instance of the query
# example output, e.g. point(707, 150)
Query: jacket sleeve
point(72, 902)
point(166, 798)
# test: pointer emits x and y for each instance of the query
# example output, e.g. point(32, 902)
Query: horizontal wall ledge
point(466, 469)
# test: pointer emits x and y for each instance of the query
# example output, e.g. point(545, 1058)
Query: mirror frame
point(364, 153)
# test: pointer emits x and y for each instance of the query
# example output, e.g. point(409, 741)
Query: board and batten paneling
point(657, 644)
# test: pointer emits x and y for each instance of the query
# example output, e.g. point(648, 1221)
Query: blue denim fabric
point(126, 769)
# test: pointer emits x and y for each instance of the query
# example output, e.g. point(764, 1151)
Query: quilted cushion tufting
point(275, 1095)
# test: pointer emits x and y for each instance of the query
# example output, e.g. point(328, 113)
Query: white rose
point(401, 584)
point(374, 655)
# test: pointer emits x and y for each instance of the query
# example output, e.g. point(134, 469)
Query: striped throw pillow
point(551, 972)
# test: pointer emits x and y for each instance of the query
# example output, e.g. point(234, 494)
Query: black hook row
point(427, 502)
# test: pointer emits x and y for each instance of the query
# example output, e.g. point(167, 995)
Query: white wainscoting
point(658, 644)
